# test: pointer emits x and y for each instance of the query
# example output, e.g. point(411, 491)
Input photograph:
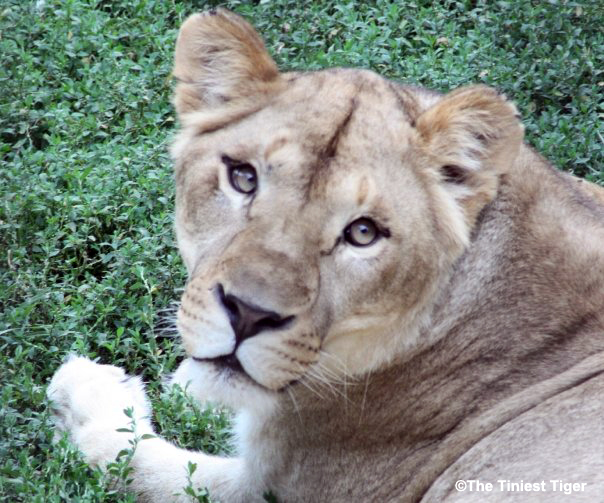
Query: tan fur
point(464, 344)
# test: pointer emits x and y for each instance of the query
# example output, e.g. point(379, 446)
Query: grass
point(87, 255)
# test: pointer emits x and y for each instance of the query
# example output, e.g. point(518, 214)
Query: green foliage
point(87, 255)
point(199, 495)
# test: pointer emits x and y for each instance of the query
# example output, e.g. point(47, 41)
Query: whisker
point(307, 383)
point(315, 374)
point(364, 397)
point(339, 371)
point(169, 309)
point(317, 377)
point(293, 399)
point(165, 335)
point(338, 361)
point(166, 322)
point(330, 373)
point(327, 375)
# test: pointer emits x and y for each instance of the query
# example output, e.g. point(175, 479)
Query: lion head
point(317, 213)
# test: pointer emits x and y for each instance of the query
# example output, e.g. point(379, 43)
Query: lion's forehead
point(317, 111)
point(327, 130)
point(358, 109)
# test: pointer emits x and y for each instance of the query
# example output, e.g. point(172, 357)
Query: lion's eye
point(242, 175)
point(362, 232)
point(243, 178)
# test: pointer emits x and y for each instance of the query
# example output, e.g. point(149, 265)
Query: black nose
point(248, 320)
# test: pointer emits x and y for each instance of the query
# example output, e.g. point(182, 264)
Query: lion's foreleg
point(162, 472)
point(88, 401)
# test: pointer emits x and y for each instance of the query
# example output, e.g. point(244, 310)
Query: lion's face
point(317, 213)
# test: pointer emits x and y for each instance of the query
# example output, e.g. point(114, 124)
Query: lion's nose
point(248, 320)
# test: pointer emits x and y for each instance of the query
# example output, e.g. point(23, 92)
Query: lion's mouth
point(228, 364)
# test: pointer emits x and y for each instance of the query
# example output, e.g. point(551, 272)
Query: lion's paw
point(88, 402)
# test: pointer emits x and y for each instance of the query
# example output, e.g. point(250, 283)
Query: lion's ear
point(471, 136)
point(220, 59)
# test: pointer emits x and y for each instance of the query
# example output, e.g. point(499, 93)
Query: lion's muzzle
point(247, 319)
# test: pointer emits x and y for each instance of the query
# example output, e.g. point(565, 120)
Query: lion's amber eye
point(242, 175)
point(362, 232)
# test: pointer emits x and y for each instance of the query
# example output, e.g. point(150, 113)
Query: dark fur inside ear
point(453, 174)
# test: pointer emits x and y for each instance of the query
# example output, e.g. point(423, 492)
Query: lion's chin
point(209, 381)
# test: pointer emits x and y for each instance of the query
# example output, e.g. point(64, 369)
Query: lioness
point(392, 290)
